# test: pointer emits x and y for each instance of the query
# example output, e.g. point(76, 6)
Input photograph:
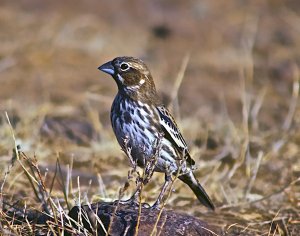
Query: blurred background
point(227, 69)
point(50, 51)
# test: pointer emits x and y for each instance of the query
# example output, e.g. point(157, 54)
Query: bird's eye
point(124, 66)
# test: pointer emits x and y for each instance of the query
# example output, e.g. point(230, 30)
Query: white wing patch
point(170, 126)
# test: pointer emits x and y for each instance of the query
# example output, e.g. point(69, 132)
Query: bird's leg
point(168, 180)
point(134, 199)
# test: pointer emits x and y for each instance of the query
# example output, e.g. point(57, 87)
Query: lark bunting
point(138, 116)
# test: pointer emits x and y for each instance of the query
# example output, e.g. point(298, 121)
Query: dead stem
point(147, 175)
point(165, 201)
point(254, 174)
point(281, 190)
point(270, 229)
point(293, 104)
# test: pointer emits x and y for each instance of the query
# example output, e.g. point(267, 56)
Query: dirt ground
point(228, 70)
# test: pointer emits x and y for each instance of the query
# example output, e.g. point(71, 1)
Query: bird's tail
point(198, 190)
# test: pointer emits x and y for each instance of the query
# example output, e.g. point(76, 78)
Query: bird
point(139, 119)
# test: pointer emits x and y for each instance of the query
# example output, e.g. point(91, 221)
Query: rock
point(121, 219)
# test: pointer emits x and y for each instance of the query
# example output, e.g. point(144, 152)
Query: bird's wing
point(172, 133)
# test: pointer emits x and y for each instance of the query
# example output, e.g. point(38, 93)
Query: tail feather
point(198, 190)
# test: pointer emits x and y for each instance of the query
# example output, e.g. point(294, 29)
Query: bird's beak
point(107, 68)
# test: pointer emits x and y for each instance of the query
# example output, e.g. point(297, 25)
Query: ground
point(228, 70)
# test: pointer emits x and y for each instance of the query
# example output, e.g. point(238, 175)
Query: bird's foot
point(156, 206)
point(130, 202)
point(133, 202)
point(146, 205)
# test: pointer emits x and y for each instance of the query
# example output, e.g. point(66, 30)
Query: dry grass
point(229, 71)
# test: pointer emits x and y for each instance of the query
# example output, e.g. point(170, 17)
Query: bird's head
point(132, 77)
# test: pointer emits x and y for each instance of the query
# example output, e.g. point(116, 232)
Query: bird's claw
point(155, 206)
point(130, 202)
